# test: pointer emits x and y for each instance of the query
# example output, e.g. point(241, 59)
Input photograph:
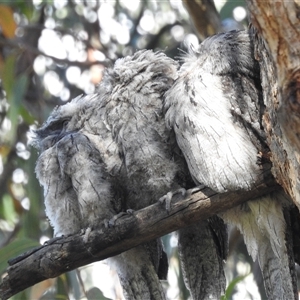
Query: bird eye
point(65, 123)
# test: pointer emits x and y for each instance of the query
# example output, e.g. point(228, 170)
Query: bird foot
point(86, 234)
point(167, 199)
point(112, 221)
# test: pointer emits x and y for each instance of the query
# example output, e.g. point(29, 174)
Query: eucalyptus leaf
point(14, 249)
point(231, 286)
point(95, 293)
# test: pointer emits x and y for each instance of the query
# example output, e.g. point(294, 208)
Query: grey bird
point(215, 108)
point(103, 154)
point(92, 167)
point(154, 165)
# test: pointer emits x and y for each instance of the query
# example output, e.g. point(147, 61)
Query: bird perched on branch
point(95, 162)
point(215, 108)
point(145, 133)
point(103, 154)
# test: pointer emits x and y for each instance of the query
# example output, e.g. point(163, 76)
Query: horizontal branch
point(24, 46)
point(60, 255)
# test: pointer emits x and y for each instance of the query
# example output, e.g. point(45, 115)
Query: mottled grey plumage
point(153, 162)
point(215, 109)
point(202, 250)
point(73, 200)
point(112, 151)
point(101, 153)
point(105, 153)
point(132, 109)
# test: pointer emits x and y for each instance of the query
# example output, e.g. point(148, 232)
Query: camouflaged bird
point(215, 108)
point(112, 151)
point(146, 133)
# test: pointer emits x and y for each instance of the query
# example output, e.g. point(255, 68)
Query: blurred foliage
point(231, 287)
point(50, 52)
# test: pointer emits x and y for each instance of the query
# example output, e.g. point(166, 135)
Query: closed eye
point(55, 127)
point(58, 125)
point(65, 123)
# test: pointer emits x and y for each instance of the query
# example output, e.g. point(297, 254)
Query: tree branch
point(205, 17)
point(24, 46)
point(60, 255)
point(278, 50)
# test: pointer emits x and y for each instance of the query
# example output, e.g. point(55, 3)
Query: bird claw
point(167, 199)
point(86, 233)
point(194, 190)
point(112, 221)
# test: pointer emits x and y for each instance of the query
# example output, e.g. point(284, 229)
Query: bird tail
point(138, 275)
point(263, 226)
point(202, 249)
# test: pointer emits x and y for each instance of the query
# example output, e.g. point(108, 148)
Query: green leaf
point(31, 219)
point(14, 249)
point(8, 210)
point(74, 284)
point(8, 75)
point(15, 88)
point(232, 285)
point(15, 102)
point(227, 9)
point(62, 286)
point(21, 296)
point(27, 117)
point(95, 293)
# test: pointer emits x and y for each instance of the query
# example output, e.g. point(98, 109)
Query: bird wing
point(215, 109)
point(205, 110)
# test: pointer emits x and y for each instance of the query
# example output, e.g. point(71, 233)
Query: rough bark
point(278, 50)
point(64, 254)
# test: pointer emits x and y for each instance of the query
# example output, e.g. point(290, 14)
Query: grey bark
point(277, 50)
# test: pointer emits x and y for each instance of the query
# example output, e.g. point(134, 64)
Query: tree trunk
point(278, 51)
